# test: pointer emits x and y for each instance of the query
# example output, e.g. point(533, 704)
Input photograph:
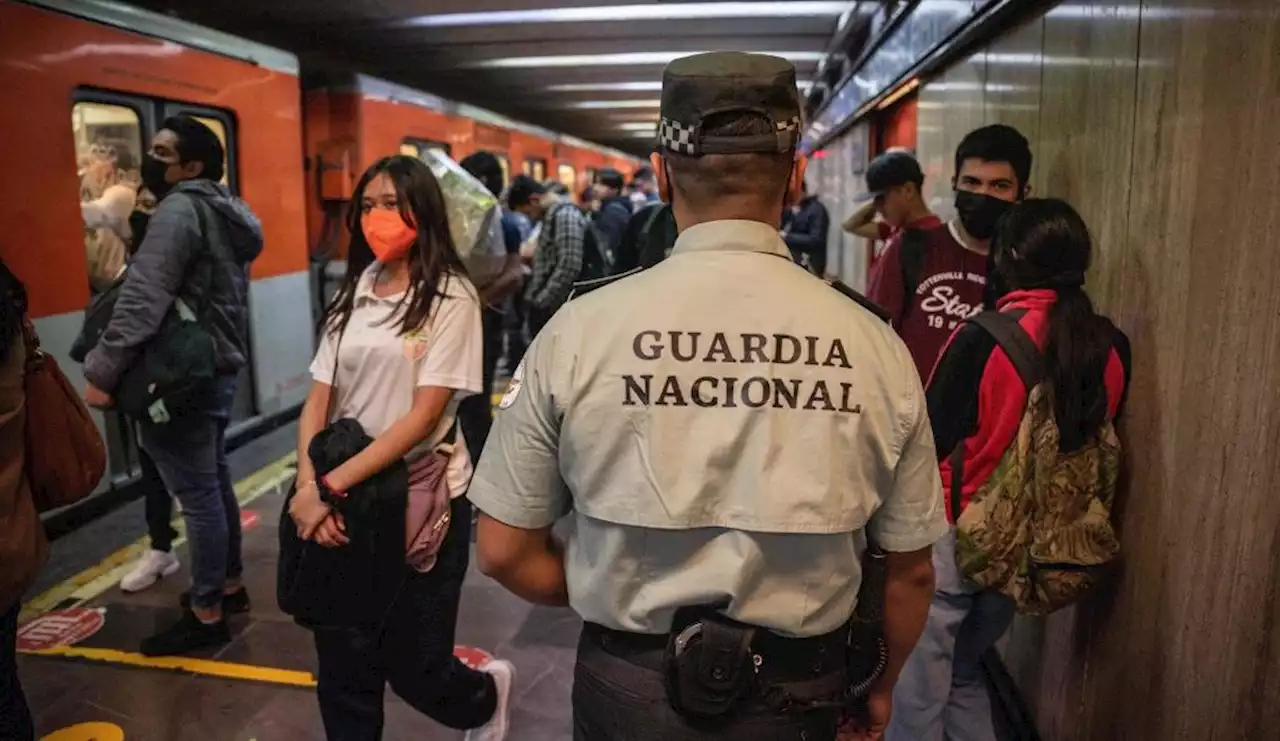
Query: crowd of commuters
point(679, 434)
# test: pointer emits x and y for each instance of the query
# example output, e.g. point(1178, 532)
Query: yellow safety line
point(100, 577)
point(201, 667)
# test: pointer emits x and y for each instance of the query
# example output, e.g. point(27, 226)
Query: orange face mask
point(387, 234)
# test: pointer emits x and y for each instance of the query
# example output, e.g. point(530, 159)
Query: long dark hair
point(13, 309)
point(433, 256)
point(1043, 243)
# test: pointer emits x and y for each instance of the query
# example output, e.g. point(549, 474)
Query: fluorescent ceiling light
point(650, 127)
point(647, 86)
point(641, 12)
point(605, 104)
point(616, 60)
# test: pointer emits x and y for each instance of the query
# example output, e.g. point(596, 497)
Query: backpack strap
point(1027, 360)
point(1016, 343)
point(911, 252)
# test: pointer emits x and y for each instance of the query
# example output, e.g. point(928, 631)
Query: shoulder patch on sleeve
point(513, 387)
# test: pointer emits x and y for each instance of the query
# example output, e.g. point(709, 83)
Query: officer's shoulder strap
point(862, 301)
point(583, 287)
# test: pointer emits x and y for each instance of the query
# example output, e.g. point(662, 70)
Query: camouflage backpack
point(1039, 529)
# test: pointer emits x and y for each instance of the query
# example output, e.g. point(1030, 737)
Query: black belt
point(781, 658)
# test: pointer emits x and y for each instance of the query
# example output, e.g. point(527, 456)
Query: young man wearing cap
point(933, 276)
point(895, 185)
point(675, 415)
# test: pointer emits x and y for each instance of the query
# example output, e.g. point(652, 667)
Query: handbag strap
point(31, 340)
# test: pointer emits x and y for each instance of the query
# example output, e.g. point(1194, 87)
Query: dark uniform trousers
point(616, 699)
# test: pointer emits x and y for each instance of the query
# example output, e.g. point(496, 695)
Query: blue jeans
point(941, 693)
point(190, 452)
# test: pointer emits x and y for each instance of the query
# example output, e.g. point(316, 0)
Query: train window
point(566, 175)
point(591, 175)
point(536, 169)
point(415, 147)
point(506, 168)
point(108, 145)
point(108, 141)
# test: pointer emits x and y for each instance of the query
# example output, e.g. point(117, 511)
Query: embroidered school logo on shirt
point(513, 390)
point(415, 345)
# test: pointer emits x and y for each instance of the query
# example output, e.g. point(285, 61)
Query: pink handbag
point(427, 518)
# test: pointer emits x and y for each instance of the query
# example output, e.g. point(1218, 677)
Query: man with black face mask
point(993, 164)
point(193, 257)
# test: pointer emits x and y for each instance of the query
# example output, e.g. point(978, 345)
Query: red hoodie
point(977, 399)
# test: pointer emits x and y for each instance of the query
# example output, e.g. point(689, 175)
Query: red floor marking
point(60, 628)
point(474, 658)
point(248, 519)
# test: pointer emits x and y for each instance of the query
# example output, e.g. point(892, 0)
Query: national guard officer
point(723, 426)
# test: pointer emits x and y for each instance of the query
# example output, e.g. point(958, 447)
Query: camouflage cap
point(699, 86)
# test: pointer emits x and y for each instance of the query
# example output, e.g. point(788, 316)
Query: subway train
point(114, 73)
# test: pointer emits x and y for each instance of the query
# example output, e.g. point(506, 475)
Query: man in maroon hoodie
point(933, 275)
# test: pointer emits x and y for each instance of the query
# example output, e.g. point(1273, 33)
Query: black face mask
point(980, 213)
point(153, 171)
point(138, 221)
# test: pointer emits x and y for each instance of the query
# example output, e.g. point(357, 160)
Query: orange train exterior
point(86, 76)
point(352, 123)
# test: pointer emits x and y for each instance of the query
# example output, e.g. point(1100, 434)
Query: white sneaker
point(504, 675)
point(153, 565)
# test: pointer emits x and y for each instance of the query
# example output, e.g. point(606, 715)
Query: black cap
point(891, 169)
point(696, 87)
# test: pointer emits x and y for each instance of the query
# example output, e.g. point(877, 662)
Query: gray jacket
point(208, 269)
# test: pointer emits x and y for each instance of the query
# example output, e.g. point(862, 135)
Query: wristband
point(327, 493)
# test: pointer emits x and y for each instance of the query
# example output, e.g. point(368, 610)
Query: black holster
point(709, 667)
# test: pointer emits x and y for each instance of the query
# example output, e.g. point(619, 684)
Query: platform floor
point(86, 682)
point(257, 688)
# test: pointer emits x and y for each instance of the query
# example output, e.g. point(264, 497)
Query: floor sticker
point(249, 519)
point(474, 658)
point(60, 628)
point(87, 732)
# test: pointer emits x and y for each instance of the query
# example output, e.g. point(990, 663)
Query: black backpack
point(597, 259)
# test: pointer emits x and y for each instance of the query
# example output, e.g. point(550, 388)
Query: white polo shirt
point(380, 368)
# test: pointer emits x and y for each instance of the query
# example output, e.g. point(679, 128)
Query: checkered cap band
point(676, 137)
point(680, 139)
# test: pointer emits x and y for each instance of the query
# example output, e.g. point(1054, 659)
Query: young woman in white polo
point(404, 332)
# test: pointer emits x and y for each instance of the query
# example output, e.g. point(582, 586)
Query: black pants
point(615, 700)
point(475, 413)
point(413, 651)
point(15, 716)
point(514, 328)
point(158, 504)
point(538, 318)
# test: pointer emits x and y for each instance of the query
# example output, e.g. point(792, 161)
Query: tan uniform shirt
point(724, 426)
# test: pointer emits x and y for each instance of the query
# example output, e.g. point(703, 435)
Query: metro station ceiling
point(589, 68)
